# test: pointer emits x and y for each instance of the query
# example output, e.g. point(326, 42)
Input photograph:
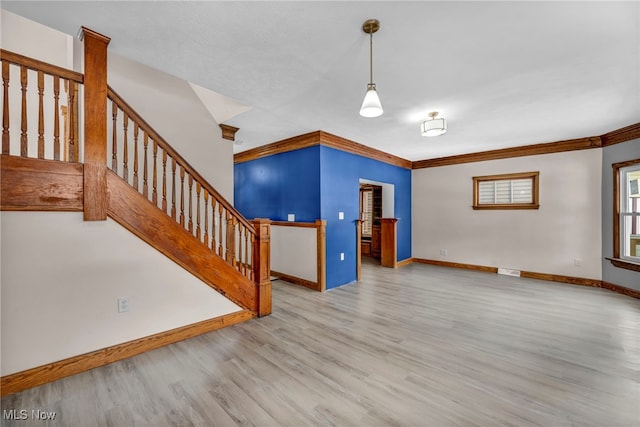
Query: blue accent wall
point(340, 174)
point(274, 186)
point(317, 183)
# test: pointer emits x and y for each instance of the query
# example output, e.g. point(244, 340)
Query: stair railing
point(47, 92)
point(140, 156)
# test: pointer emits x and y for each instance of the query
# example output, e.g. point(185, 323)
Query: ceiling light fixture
point(434, 127)
point(371, 106)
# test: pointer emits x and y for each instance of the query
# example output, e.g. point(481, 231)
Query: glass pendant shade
point(434, 127)
point(371, 106)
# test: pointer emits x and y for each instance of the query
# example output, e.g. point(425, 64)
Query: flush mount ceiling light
point(371, 106)
point(434, 127)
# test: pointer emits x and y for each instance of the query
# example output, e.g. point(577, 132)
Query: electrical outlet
point(123, 304)
point(341, 256)
point(291, 217)
point(444, 252)
point(577, 262)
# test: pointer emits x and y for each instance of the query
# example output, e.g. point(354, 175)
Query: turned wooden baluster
point(154, 194)
point(73, 120)
point(239, 252)
point(231, 239)
point(145, 169)
point(56, 118)
point(125, 147)
point(164, 181)
point(24, 144)
point(213, 224)
point(190, 204)
point(114, 137)
point(173, 188)
point(220, 208)
point(5, 107)
point(181, 195)
point(198, 188)
point(40, 115)
point(247, 269)
point(206, 218)
point(136, 130)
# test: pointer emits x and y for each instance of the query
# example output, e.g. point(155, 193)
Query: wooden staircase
point(145, 185)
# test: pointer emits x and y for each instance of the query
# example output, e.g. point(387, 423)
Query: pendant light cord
point(371, 57)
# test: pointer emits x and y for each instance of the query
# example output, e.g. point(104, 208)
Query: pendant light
point(371, 106)
point(434, 127)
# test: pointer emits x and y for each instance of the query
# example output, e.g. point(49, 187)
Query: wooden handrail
point(155, 136)
point(37, 65)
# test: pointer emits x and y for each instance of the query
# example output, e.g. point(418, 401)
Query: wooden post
point(95, 125)
point(358, 249)
point(321, 233)
point(389, 239)
point(262, 265)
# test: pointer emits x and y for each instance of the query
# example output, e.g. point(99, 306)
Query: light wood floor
point(417, 346)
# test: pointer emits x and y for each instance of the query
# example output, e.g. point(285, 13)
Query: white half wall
point(294, 251)
point(565, 231)
point(61, 279)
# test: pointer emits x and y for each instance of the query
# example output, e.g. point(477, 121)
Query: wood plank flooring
point(417, 346)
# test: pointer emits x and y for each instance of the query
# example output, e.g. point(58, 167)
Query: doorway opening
point(376, 202)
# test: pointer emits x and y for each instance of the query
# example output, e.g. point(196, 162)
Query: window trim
point(535, 191)
point(617, 260)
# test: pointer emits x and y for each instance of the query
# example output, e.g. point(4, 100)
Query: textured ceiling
point(502, 73)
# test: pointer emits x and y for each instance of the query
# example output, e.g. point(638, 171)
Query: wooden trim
point(358, 250)
point(504, 153)
point(297, 280)
point(623, 263)
point(389, 242)
point(456, 265)
point(95, 125)
point(29, 184)
point(295, 224)
point(621, 289)
point(326, 139)
point(135, 213)
point(321, 251)
point(23, 380)
point(262, 265)
point(343, 144)
point(616, 207)
point(581, 281)
point(34, 64)
point(562, 279)
point(624, 134)
point(228, 132)
point(404, 262)
point(306, 140)
point(535, 191)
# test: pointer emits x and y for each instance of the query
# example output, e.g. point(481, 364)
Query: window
point(626, 228)
point(366, 204)
point(508, 191)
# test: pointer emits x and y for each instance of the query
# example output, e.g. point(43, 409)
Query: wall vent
point(509, 272)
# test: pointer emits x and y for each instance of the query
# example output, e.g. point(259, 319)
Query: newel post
point(262, 265)
point(95, 125)
point(389, 237)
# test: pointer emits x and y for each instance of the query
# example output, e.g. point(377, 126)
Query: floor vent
point(509, 272)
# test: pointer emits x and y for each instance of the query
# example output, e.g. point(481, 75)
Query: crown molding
point(320, 138)
point(505, 153)
point(228, 132)
point(326, 139)
point(624, 134)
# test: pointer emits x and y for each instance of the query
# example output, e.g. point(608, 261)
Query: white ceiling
point(502, 73)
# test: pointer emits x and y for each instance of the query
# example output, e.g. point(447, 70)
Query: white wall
point(294, 251)
point(548, 240)
point(175, 111)
point(61, 278)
